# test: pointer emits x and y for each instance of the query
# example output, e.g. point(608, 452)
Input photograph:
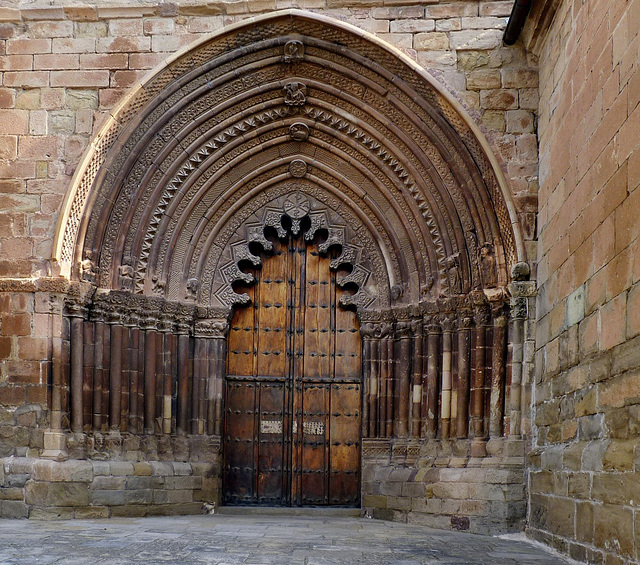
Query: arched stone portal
point(285, 125)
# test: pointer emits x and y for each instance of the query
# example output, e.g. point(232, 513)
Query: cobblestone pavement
point(256, 540)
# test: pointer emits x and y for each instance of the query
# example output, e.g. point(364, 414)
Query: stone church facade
point(323, 253)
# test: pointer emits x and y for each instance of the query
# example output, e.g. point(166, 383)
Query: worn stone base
point(438, 483)
point(49, 490)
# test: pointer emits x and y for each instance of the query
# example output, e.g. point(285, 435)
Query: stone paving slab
point(255, 540)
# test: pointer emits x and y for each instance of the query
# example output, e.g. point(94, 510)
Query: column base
point(55, 446)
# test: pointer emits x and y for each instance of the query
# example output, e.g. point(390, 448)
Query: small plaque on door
point(313, 428)
point(270, 426)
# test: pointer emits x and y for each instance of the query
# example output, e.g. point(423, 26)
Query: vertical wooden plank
point(295, 370)
point(239, 434)
point(272, 312)
point(314, 435)
point(345, 443)
point(271, 444)
point(242, 345)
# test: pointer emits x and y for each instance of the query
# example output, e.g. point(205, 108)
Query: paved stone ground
point(255, 540)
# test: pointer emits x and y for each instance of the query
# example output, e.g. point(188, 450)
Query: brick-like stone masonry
point(63, 70)
point(41, 489)
point(584, 476)
point(446, 488)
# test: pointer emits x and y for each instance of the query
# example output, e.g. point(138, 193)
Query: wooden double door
point(293, 387)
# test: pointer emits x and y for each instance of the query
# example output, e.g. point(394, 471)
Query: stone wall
point(584, 475)
point(442, 486)
point(50, 490)
point(64, 69)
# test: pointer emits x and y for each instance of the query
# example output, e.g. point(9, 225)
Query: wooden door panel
point(348, 344)
point(318, 327)
point(240, 432)
point(345, 443)
point(271, 443)
point(240, 345)
point(313, 434)
point(294, 436)
point(271, 306)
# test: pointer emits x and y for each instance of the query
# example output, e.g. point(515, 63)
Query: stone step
point(316, 511)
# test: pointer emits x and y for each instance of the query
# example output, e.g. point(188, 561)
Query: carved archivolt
point(182, 183)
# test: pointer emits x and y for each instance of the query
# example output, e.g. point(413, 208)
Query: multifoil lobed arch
point(290, 101)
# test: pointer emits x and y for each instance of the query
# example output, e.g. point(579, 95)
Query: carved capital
point(375, 330)
point(431, 323)
point(465, 319)
point(76, 307)
point(482, 316)
point(214, 328)
point(523, 288)
point(404, 329)
point(416, 326)
point(519, 308)
point(448, 322)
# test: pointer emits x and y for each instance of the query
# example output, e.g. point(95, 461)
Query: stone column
point(402, 378)
point(115, 369)
point(370, 378)
point(430, 387)
point(132, 353)
point(375, 342)
point(465, 321)
point(183, 328)
point(98, 316)
point(448, 324)
point(516, 343)
point(209, 373)
point(150, 326)
point(478, 431)
point(55, 444)
point(77, 312)
point(498, 371)
point(417, 378)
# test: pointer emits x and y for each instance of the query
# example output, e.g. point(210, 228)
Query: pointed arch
point(223, 120)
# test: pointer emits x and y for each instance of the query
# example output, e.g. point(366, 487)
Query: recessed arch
point(284, 119)
point(378, 125)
